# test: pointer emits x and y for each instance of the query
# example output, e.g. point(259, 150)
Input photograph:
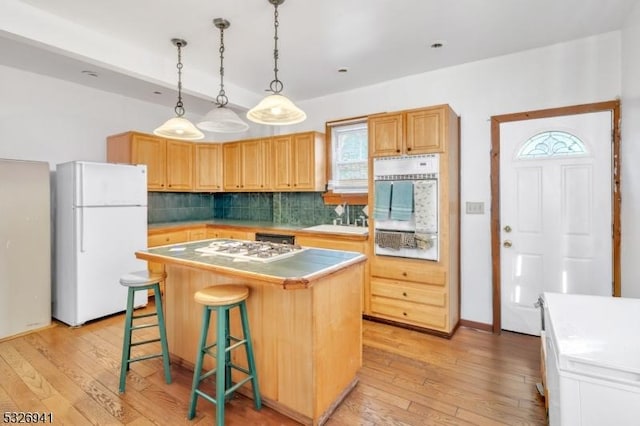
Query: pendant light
point(222, 119)
point(276, 109)
point(178, 127)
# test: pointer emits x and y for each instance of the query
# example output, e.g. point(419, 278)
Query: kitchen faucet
point(346, 213)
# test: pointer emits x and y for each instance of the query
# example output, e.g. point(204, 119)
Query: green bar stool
point(221, 299)
point(143, 281)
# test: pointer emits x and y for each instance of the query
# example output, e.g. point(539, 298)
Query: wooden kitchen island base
point(306, 332)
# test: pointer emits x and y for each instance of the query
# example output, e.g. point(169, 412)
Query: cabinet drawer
point(407, 312)
point(197, 234)
point(331, 243)
point(167, 238)
point(230, 234)
point(409, 292)
point(419, 271)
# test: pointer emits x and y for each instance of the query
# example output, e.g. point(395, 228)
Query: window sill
point(332, 198)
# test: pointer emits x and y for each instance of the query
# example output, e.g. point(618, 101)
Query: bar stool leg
point(206, 315)
point(163, 333)
point(126, 348)
point(221, 362)
point(227, 358)
point(257, 400)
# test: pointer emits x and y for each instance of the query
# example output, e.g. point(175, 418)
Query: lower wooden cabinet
point(413, 292)
point(338, 242)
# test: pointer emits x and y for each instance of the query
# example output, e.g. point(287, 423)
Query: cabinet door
point(232, 166)
point(179, 166)
point(303, 164)
point(151, 151)
point(208, 167)
point(425, 131)
point(254, 170)
point(385, 135)
point(281, 150)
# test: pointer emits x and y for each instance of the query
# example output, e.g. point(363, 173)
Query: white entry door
point(555, 212)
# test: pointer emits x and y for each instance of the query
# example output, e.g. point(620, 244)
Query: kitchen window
point(348, 156)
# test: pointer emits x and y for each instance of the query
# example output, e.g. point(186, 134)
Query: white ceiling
point(128, 42)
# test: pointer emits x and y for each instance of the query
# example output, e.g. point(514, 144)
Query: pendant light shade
point(222, 119)
point(276, 109)
point(179, 127)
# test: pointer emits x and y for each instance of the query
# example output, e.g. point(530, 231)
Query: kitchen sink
point(338, 229)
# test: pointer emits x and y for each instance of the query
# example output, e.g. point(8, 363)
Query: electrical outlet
point(474, 207)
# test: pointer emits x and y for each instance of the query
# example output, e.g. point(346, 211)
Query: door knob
point(507, 244)
point(507, 228)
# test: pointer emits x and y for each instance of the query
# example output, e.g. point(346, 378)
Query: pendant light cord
point(222, 99)
point(276, 85)
point(179, 109)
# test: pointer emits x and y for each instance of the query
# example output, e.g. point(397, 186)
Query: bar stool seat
point(143, 281)
point(221, 299)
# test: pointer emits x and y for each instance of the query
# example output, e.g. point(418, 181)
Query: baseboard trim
point(477, 325)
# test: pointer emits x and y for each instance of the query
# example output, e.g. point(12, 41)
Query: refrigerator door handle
point(81, 228)
point(80, 189)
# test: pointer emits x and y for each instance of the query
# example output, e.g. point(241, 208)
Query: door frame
point(496, 120)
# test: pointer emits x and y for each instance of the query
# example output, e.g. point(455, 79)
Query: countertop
point(297, 271)
point(252, 226)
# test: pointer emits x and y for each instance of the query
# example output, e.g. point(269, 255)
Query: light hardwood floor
point(408, 378)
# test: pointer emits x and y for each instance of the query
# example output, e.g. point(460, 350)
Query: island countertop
point(300, 270)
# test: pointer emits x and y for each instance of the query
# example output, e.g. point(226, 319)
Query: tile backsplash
point(179, 206)
point(293, 208)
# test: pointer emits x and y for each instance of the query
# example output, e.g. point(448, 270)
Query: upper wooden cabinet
point(418, 131)
point(169, 162)
point(298, 162)
point(246, 165)
point(208, 167)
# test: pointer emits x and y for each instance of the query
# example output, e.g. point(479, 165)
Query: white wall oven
point(405, 211)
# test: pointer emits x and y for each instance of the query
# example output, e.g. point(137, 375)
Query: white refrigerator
point(101, 221)
point(25, 246)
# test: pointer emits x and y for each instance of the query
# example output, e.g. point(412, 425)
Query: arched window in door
point(551, 144)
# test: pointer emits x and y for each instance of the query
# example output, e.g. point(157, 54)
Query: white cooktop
point(258, 251)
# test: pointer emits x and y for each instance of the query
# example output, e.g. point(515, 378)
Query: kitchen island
point(304, 312)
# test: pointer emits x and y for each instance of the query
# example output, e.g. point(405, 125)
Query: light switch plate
point(474, 207)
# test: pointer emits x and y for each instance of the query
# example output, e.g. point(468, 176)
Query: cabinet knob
point(404, 274)
point(404, 293)
point(397, 150)
point(404, 313)
point(408, 148)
